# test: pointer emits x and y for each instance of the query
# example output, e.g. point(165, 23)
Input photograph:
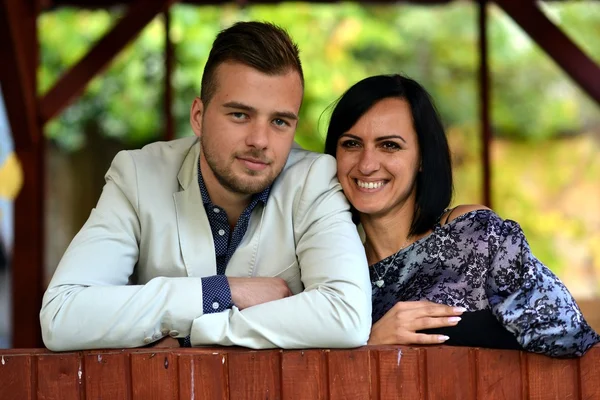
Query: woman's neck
point(387, 234)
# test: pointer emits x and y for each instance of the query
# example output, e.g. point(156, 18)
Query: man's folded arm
point(88, 303)
point(334, 310)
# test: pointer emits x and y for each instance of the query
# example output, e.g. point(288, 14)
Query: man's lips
point(254, 164)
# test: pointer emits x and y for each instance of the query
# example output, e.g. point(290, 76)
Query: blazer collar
point(195, 236)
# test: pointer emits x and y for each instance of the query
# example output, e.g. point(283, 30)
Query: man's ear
point(196, 113)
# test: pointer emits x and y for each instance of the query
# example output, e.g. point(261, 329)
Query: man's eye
point(238, 115)
point(279, 122)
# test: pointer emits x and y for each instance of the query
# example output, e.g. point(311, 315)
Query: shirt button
point(216, 210)
point(215, 305)
point(147, 340)
point(221, 232)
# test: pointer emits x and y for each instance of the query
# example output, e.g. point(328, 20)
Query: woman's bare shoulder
point(459, 210)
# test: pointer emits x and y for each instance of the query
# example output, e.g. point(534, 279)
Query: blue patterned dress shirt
point(216, 294)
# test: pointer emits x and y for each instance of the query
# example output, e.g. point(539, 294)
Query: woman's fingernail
point(459, 309)
point(443, 338)
point(454, 319)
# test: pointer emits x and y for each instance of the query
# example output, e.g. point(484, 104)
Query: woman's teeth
point(369, 185)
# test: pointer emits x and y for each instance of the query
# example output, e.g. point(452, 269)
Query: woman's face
point(378, 159)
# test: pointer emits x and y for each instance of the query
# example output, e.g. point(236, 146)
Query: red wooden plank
point(450, 373)
point(15, 377)
point(59, 376)
point(203, 376)
point(72, 83)
point(399, 374)
point(349, 372)
point(107, 376)
point(556, 44)
point(255, 375)
point(552, 378)
point(498, 374)
point(303, 375)
point(154, 376)
point(589, 378)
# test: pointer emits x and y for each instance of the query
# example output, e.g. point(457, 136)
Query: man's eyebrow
point(286, 114)
point(277, 114)
point(239, 106)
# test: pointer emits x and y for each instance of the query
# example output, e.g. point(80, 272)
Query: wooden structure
point(28, 112)
point(443, 373)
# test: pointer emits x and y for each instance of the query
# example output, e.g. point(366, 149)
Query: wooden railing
point(233, 373)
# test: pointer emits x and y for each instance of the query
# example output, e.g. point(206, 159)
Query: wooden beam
point(169, 133)
point(74, 81)
point(484, 104)
point(19, 68)
point(18, 85)
point(112, 3)
point(581, 68)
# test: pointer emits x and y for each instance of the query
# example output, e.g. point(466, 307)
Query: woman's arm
point(529, 300)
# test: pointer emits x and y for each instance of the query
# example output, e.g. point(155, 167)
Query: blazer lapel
point(195, 236)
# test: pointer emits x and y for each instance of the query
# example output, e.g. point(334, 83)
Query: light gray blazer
point(132, 274)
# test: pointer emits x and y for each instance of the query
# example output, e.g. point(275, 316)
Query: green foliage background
point(543, 123)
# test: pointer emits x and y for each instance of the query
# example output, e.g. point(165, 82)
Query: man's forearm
point(75, 317)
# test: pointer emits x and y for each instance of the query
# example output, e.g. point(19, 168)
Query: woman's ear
point(196, 114)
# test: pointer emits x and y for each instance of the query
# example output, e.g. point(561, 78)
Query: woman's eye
point(390, 146)
point(349, 144)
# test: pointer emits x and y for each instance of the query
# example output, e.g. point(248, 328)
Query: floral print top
point(481, 262)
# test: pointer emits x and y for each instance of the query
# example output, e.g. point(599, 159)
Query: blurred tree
point(533, 103)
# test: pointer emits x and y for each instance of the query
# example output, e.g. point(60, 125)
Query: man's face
point(247, 129)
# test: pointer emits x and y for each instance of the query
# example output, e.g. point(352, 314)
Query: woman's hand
point(400, 324)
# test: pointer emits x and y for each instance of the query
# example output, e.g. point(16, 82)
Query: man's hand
point(248, 292)
point(400, 324)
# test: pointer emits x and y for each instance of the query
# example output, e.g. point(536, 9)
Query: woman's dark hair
point(434, 181)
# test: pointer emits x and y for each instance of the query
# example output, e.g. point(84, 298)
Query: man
point(232, 239)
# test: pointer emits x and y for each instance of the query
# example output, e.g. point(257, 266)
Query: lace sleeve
point(529, 300)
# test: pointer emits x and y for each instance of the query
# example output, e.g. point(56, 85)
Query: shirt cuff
point(216, 297)
point(216, 294)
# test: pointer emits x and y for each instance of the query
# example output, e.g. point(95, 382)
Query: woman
point(461, 276)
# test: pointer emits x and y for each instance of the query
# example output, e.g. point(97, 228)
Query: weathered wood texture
point(381, 372)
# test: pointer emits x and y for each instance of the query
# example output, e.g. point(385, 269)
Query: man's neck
point(233, 203)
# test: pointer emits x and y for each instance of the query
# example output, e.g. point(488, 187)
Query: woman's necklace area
point(380, 282)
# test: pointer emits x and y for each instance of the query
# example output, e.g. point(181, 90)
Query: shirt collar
point(257, 197)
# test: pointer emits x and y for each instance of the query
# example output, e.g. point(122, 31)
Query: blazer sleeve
point(89, 304)
point(529, 300)
point(334, 310)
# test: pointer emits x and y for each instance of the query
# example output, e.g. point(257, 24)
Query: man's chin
point(252, 184)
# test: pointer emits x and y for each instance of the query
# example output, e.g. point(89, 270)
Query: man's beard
point(228, 179)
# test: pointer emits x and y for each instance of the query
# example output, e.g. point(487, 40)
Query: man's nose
point(258, 136)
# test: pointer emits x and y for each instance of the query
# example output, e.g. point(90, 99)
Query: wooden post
point(484, 104)
point(18, 73)
point(169, 55)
